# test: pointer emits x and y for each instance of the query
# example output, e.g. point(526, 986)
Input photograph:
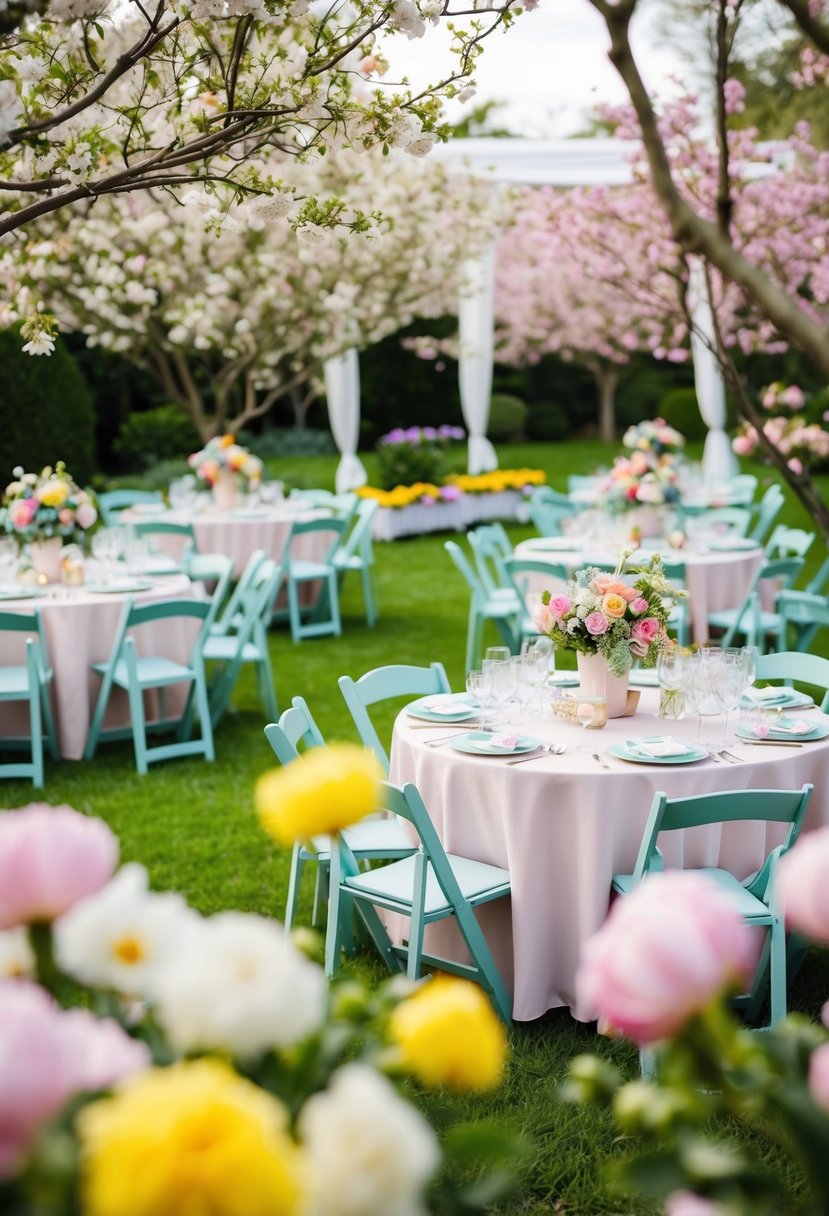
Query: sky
point(550, 67)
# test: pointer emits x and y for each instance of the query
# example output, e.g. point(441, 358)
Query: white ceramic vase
point(596, 681)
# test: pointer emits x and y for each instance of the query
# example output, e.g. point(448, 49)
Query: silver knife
point(770, 743)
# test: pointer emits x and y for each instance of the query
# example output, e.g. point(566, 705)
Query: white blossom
point(40, 344)
point(16, 955)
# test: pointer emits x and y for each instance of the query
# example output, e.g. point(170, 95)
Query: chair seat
point(377, 834)
point(152, 672)
point(224, 648)
point(751, 908)
point(343, 561)
point(392, 885)
point(14, 683)
point(304, 570)
point(769, 621)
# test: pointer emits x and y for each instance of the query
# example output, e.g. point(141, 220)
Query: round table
point(79, 626)
point(564, 824)
point(715, 578)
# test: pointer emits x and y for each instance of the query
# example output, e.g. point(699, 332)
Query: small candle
point(594, 709)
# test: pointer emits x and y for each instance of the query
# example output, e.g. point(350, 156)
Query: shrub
point(680, 409)
point(276, 441)
point(46, 412)
point(507, 416)
point(548, 422)
point(415, 455)
point(149, 436)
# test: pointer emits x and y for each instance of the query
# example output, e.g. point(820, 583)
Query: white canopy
point(719, 463)
point(342, 388)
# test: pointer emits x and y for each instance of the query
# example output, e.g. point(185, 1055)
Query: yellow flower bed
point(482, 483)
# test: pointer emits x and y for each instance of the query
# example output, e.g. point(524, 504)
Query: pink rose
point(819, 1076)
point(639, 605)
point(66, 516)
point(801, 886)
point(596, 624)
point(686, 1203)
point(663, 954)
point(645, 630)
point(50, 857)
point(22, 511)
point(544, 618)
point(793, 397)
point(560, 606)
point(742, 445)
point(86, 515)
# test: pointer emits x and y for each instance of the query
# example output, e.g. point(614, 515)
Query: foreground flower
point(686, 1203)
point(323, 790)
point(46, 1056)
point(192, 1138)
point(370, 1153)
point(819, 1076)
point(448, 1034)
point(125, 935)
point(50, 857)
point(802, 886)
point(242, 987)
point(663, 954)
point(16, 955)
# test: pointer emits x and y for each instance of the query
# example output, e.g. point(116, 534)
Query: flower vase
point(224, 490)
point(596, 681)
point(647, 522)
point(45, 557)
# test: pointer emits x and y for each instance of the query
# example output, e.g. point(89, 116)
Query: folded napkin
point(661, 747)
point(444, 705)
point(504, 741)
point(791, 728)
point(767, 695)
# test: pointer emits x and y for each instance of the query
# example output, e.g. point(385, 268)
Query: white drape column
point(342, 388)
point(475, 358)
point(719, 463)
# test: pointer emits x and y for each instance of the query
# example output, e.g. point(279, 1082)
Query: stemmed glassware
point(673, 672)
point(500, 684)
point(520, 670)
point(479, 687)
point(728, 686)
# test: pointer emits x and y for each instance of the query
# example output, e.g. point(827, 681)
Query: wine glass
point(522, 687)
point(698, 688)
point(728, 688)
point(500, 684)
point(672, 672)
point(749, 657)
point(479, 687)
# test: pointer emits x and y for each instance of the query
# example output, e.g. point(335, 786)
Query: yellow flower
point(190, 1139)
point(323, 790)
point(227, 441)
point(614, 605)
point(54, 493)
point(448, 1034)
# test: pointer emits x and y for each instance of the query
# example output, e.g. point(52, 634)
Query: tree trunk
point(607, 377)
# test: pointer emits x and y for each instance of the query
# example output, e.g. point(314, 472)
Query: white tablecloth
point(80, 630)
point(715, 579)
point(563, 825)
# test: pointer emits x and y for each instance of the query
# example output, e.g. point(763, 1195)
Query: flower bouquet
point(655, 437)
point(621, 619)
point(48, 506)
point(223, 452)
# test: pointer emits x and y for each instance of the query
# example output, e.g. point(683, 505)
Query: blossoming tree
point(232, 317)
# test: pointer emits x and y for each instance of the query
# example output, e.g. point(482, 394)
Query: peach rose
point(614, 605)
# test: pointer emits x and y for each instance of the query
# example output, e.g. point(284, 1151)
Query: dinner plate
point(625, 751)
point(20, 593)
point(725, 544)
point(818, 731)
point(788, 698)
point(476, 743)
point(563, 679)
point(460, 712)
point(551, 544)
point(644, 677)
point(118, 588)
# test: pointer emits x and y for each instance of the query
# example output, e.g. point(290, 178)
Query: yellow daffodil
point(192, 1138)
point(448, 1034)
point(323, 790)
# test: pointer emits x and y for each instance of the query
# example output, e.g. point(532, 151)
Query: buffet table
point(564, 824)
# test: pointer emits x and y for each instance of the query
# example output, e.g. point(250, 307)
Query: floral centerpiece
point(247, 1082)
point(654, 436)
point(649, 476)
point(223, 452)
point(48, 506)
point(798, 432)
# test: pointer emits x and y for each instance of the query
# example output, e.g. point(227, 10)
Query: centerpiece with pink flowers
point(46, 509)
point(649, 476)
point(610, 620)
point(221, 462)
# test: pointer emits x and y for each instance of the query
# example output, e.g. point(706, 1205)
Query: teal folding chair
point(516, 572)
point(488, 554)
point(743, 488)
point(245, 641)
point(751, 621)
point(215, 570)
point(377, 836)
point(789, 542)
point(549, 518)
point(29, 682)
point(426, 887)
point(790, 666)
point(138, 674)
point(806, 612)
point(298, 572)
point(679, 618)
point(730, 521)
point(151, 528)
point(113, 502)
point(355, 553)
point(755, 896)
point(228, 617)
point(765, 512)
point(503, 610)
point(386, 684)
point(578, 483)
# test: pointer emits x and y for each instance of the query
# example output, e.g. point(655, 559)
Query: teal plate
point(789, 698)
point(623, 751)
point(563, 679)
point(646, 677)
point(20, 593)
point(733, 544)
point(474, 744)
point(117, 588)
point(461, 714)
point(818, 731)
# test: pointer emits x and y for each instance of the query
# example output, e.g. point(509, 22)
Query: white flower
point(40, 344)
point(243, 988)
point(123, 936)
point(370, 1153)
point(422, 145)
point(407, 19)
point(16, 955)
point(311, 233)
point(11, 113)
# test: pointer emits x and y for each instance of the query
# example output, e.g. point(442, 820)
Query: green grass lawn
point(193, 826)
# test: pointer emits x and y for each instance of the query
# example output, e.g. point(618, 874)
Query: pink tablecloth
point(715, 579)
point(563, 826)
point(80, 630)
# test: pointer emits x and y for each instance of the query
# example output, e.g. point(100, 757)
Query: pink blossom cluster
point(804, 444)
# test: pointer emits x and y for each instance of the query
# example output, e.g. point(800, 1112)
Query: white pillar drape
point(719, 463)
point(342, 388)
point(475, 357)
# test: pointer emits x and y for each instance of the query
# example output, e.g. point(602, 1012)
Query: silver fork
point(553, 749)
point(601, 760)
point(443, 739)
point(730, 757)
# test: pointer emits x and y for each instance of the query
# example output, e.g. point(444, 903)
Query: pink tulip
point(50, 857)
point(819, 1076)
point(686, 1203)
point(663, 954)
point(802, 887)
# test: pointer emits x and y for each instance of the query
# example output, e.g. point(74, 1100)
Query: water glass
point(522, 687)
point(500, 685)
point(479, 687)
point(672, 672)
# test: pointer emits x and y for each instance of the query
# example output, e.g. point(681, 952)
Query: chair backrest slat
point(296, 726)
point(383, 684)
